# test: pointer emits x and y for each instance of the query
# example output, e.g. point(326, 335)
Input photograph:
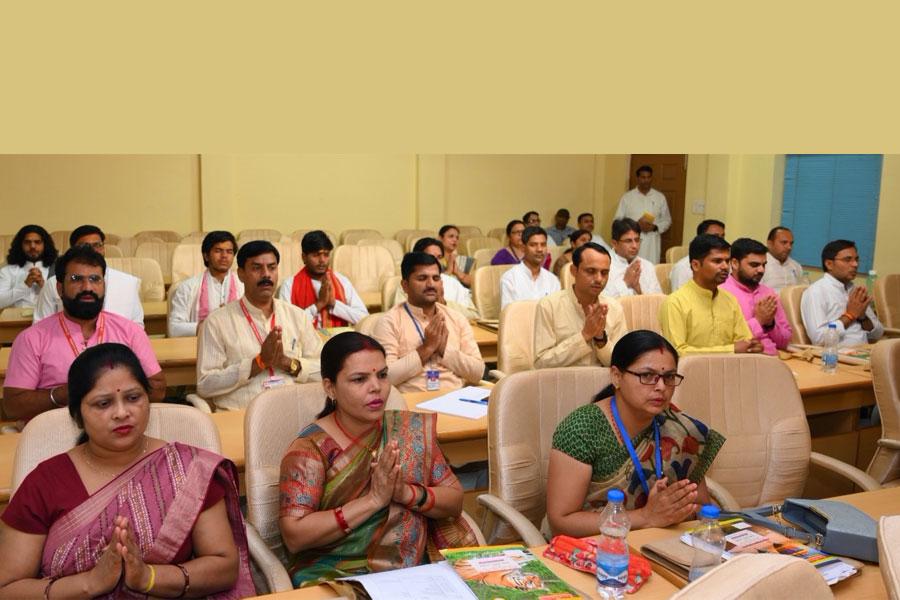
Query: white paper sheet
point(452, 403)
point(436, 581)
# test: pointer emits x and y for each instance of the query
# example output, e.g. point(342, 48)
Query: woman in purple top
point(512, 254)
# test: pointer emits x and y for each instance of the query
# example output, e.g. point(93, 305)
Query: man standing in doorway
point(649, 208)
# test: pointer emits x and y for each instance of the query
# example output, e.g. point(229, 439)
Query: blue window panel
point(828, 197)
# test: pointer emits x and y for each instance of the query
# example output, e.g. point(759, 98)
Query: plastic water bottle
point(870, 282)
point(612, 548)
point(830, 349)
point(708, 542)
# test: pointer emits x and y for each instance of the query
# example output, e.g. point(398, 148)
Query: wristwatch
point(601, 341)
point(295, 367)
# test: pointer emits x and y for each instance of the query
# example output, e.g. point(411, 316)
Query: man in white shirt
point(586, 222)
point(834, 298)
point(681, 271)
point(649, 208)
point(258, 341)
point(453, 294)
point(629, 273)
point(528, 280)
point(122, 290)
point(195, 298)
point(533, 219)
point(781, 269)
point(31, 254)
point(327, 296)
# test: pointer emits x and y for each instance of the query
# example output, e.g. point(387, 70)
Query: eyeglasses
point(95, 245)
point(651, 378)
point(93, 279)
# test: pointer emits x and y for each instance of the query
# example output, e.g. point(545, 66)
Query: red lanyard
point(259, 338)
point(101, 321)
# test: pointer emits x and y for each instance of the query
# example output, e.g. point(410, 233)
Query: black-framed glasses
point(651, 378)
point(93, 245)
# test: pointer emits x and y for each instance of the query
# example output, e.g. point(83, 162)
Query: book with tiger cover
point(507, 572)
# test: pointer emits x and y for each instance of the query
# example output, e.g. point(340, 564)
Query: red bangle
point(415, 495)
point(341, 521)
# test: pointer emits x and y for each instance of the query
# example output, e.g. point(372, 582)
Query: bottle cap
point(872, 273)
point(615, 495)
point(832, 325)
point(709, 511)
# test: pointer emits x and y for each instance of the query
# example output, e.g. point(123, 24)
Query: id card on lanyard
point(101, 326)
point(272, 380)
point(432, 376)
point(626, 439)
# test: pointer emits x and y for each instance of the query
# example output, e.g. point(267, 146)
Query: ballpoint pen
point(483, 401)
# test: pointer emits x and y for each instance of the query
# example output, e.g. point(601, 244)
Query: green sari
point(317, 475)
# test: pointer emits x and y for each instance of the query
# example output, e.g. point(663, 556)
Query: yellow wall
point(121, 194)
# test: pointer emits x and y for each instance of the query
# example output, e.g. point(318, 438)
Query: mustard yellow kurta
point(697, 322)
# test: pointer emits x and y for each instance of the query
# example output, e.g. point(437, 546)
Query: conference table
point(14, 320)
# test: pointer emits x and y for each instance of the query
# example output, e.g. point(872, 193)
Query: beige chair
point(499, 233)
point(469, 231)
point(474, 244)
point(143, 238)
point(367, 268)
point(113, 251)
point(366, 325)
point(161, 253)
point(676, 253)
point(566, 278)
point(389, 292)
point(515, 337)
point(128, 245)
point(54, 432)
point(414, 236)
point(153, 288)
point(273, 420)
point(889, 554)
point(483, 257)
point(187, 262)
point(60, 240)
point(290, 262)
point(887, 301)
point(523, 412)
point(754, 402)
point(885, 464)
point(248, 235)
point(663, 274)
point(758, 577)
point(351, 236)
point(298, 234)
point(111, 238)
point(642, 312)
point(392, 246)
point(790, 300)
point(163, 234)
point(486, 290)
point(194, 237)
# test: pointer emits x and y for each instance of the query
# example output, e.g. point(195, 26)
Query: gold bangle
point(152, 580)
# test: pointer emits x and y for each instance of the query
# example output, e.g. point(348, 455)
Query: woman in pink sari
point(364, 489)
point(123, 515)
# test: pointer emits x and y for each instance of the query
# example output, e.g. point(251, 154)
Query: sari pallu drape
point(394, 537)
point(161, 495)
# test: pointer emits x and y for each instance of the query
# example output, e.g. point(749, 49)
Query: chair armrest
point(889, 443)
point(857, 476)
point(722, 496)
point(199, 403)
point(267, 563)
point(497, 374)
point(522, 526)
point(479, 536)
point(891, 332)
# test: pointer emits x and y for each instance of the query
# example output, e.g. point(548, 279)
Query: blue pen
point(473, 401)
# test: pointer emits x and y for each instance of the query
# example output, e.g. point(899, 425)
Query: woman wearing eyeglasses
point(631, 438)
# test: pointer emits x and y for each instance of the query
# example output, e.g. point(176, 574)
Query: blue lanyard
point(634, 457)
point(416, 323)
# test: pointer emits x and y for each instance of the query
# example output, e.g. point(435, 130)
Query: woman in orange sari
point(364, 489)
point(121, 514)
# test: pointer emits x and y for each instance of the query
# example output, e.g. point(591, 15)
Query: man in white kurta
point(649, 208)
point(528, 280)
point(629, 273)
point(256, 342)
point(835, 299)
point(122, 289)
point(781, 269)
point(577, 326)
point(30, 255)
point(195, 298)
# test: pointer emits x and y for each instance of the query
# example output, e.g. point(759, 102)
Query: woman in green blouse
point(631, 438)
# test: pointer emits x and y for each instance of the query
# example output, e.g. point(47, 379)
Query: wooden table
point(14, 320)
point(656, 587)
point(867, 585)
point(487, 342)
point(155, 316)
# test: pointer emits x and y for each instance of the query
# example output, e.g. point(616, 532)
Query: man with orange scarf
point(328, 297)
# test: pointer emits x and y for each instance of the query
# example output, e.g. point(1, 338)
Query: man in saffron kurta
point(760, 304)
point(700, 318)
point(327, 297)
